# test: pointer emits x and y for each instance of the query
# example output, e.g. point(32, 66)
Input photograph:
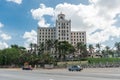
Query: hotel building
point(61, 32)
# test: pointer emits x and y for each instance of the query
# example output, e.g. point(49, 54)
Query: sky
point(19, 19)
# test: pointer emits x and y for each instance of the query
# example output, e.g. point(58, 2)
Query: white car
point(75, 68)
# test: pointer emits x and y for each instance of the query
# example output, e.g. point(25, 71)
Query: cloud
point(5, 36)
point(97, 15)
point(15, 1)
point(1, 25)
point(3, 45)
point(30, 37)
point(43, 23)
point(39, 13)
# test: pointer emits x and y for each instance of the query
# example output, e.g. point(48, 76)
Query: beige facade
point(45, 33)
point(61, 32)
point(79, 36)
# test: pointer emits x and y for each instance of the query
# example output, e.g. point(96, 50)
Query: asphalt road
point(60, 74)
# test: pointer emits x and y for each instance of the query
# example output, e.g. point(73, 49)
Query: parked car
point(75, 68)
point(26, 68)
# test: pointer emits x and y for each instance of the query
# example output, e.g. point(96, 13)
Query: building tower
point(63, 28)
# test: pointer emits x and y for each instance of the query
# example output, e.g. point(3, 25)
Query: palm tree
point(48, 45)
point(91, 49)
point(41, 48)
point(117, 45)
point(99, 47)
point(107, 50)
point(35, 48)
point(31, 48)
point(72, 51)
point(63, 49)
point(55, 48)
point(82, 49)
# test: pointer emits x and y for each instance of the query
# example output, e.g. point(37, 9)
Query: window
point(74, 42)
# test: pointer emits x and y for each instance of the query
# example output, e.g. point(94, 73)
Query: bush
point(102, 60)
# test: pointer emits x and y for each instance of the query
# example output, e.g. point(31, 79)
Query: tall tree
point(55, 48)
point(63, 48)
point(107, 50)
point(91, 48)
point(117, 45)
point(48, 45)
point(35, 48)
point(41, 48)
point(82, 49)
point(31, 48)
point(98, 46)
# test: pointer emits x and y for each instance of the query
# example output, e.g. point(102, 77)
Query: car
point(26, 68)
point(75, 68)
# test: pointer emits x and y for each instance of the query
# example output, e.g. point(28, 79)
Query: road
point(60, 74)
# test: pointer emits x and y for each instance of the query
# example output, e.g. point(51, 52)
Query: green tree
point(98, 46)
point(81, 47)
point(63, 49)
point(49, 44)
point(31, 48)
point(107, 50)
point(41, 48)
point(91, 48)
point(117, 45)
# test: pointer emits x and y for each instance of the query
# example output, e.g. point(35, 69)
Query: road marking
point(51, 79)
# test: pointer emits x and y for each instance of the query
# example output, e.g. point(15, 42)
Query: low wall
point(68, 63)
point(48, 66)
